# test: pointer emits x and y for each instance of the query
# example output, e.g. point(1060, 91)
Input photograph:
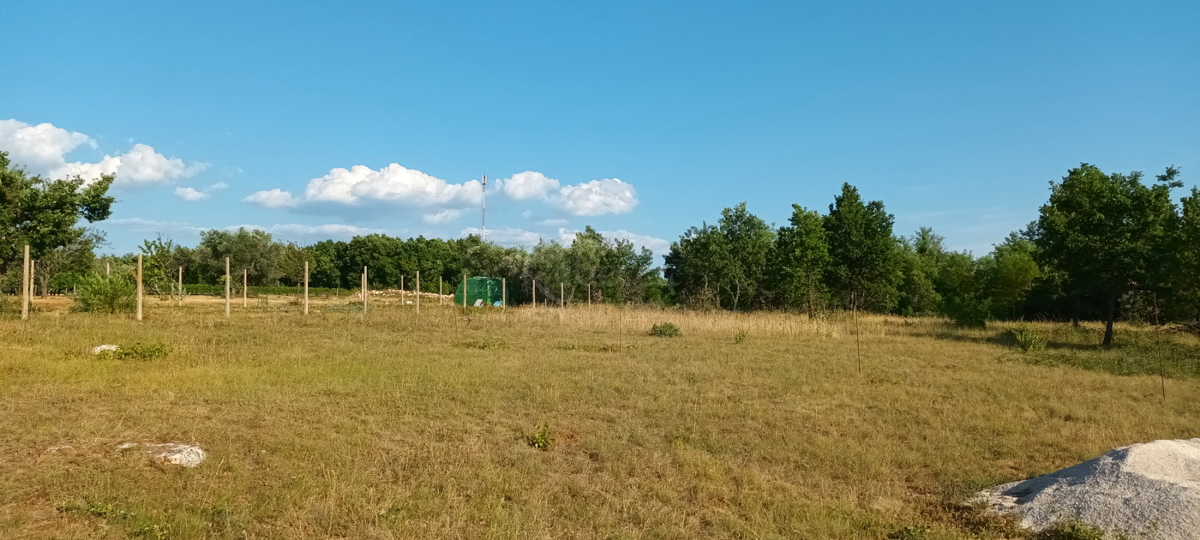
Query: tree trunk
point(1108, 324)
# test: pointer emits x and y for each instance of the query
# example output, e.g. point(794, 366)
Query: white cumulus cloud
point(392, 184)
point(596, 198)
point(190, 194)
point(275, 198)
point(553, 222)
point(528, 185)
point(42, 148)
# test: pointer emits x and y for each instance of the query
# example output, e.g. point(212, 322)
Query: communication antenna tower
point(483, 216)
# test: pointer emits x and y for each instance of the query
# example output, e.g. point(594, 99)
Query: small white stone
point(104, 348)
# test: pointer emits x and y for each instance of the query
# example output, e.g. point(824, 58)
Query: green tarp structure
point(479, 288)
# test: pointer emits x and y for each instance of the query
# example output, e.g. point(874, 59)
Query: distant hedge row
point(218, 290)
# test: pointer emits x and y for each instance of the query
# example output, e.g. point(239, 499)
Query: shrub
point(740, 337)
point(1027, 339)
point(665, 330)
point(106, 294)
point(541, 438)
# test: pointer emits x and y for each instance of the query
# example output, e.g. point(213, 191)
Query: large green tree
point(1108, 233)
point(724, 264)
point(800, 261)
point(1008, 274)
point(45, 214)
point(750, 241)
point(698, 265)
point(864, 269)
point(921, 259)
point(1186, 278)
point(249, 249)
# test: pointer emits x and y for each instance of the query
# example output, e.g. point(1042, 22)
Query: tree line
point(1104, 246)
point(612, 270)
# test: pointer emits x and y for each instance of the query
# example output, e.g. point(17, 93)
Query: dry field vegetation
point(390, 425)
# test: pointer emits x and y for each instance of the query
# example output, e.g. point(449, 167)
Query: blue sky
point(639, 118)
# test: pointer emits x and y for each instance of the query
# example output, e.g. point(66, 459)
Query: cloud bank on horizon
point(43, 149)
point(441, 201)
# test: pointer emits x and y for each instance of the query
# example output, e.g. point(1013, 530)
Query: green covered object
point(480, 288)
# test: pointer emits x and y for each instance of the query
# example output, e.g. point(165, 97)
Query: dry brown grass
point(341, 425)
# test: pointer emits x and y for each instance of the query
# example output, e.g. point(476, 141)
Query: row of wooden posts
point(27, 288)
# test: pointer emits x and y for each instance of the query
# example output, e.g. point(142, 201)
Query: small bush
point(1027, 339)
point(665, 330)
point(541, 438)
point(740, 337)
point(137, 352)
point(106, 294)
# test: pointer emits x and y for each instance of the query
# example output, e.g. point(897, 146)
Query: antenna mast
point(483, 217)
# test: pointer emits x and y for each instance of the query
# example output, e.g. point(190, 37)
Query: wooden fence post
point(245, 283)
point(25, 286)
point(228, 287)
point(440, 294)
point(535, 294)
point(562, 295)
point(418, 291)
point(32, 279)
point(364, 289)
point(589, 294)
point(503, 294)
point(306, 287)
point(402, 294)
point(139, 288)
point(107, 268)
point(180, 286)
point(464, 291)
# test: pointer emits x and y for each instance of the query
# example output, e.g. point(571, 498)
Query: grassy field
point(390, 425)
